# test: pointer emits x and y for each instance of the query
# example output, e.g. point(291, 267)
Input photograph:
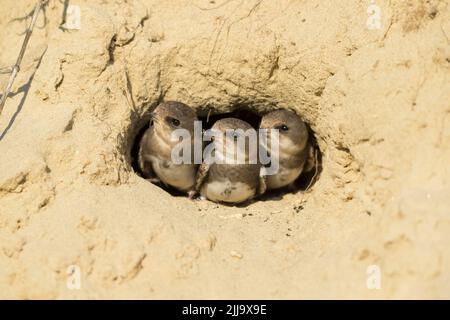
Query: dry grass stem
point(15, 69)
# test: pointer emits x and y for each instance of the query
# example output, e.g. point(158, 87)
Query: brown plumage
point(231, 183)
point(155, 152)
point(294, 149)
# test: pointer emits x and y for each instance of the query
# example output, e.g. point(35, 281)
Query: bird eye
point(174, 122)
point(151, 123)
point(283, 127)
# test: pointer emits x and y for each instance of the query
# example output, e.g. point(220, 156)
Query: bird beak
point(152, 119)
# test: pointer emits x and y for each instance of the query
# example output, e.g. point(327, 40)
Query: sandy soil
point(378, 102)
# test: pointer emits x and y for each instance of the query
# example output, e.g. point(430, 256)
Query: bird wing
point(262, 186)
point(144, 165)
point(202, 173)
point(311, 159)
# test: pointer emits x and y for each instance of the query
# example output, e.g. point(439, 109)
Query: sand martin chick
point(295, 151)
point(234, 174)
point(155, 150)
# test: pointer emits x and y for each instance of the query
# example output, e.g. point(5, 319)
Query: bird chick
point(155, 150)
point(294, 153)
point(233, 176)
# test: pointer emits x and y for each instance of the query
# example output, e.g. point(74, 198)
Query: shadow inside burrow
point(209, 116)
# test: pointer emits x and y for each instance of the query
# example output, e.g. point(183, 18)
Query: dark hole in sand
point(304, 182)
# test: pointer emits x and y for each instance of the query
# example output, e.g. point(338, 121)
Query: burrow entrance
point(208, 117)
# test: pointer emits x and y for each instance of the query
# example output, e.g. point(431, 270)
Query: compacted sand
point(378, 101)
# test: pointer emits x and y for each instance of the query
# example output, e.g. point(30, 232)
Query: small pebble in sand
point(236, 254)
